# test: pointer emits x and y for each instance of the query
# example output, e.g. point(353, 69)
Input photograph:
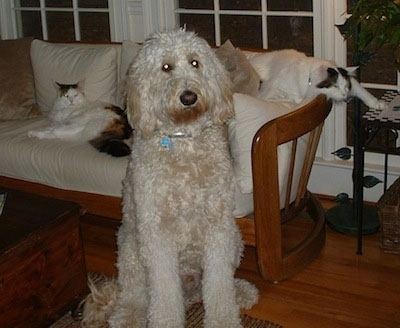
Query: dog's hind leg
point(100, 303)
point(246, 293)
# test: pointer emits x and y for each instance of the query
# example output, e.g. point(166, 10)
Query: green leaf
point(343, 153)
point(370, 181)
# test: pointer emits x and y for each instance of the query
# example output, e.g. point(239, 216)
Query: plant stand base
point(341, 219)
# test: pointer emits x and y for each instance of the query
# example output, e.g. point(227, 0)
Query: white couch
point(75, 170)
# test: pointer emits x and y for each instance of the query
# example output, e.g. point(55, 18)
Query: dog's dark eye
point(195, 63)
point(167, 67)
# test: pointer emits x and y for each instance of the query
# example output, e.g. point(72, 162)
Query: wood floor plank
point(339, 289)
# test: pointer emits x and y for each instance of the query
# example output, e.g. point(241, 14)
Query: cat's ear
point(352, 70)
point(81, 85)
point(332, 73)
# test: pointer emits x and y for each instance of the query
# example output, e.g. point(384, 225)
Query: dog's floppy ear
point(139, 111)
point(223, 107)
point(221, 88)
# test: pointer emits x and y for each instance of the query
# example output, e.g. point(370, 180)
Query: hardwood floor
point(339, 289)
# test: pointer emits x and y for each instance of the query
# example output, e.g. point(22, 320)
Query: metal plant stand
point(355, 217)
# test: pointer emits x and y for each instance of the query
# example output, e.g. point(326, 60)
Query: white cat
point(74, 117)
point(291, 75)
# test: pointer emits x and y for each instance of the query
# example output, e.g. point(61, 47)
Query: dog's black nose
point(188, 98)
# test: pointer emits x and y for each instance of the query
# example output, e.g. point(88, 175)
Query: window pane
point(95, 27)
point(196, 4)
point(240, 4)
point(60, 26)
point(93, 3)
point(290, 32)
point(293, 5)
point(203, 25)
point(29, 23)
point(59, 3)
point(26, 3)
point(380, 69)
point(243, 31)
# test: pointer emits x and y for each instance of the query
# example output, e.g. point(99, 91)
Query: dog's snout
point(188, 98)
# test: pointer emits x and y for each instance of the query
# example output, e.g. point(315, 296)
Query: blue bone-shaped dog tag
point(167, 143)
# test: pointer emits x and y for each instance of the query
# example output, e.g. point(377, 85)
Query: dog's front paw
point(246, 293)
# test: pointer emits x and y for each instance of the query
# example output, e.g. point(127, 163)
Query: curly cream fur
point(178, 242)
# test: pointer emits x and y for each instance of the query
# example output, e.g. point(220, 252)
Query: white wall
point(334, 177)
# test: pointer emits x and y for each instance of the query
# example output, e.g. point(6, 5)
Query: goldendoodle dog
point(178, 242)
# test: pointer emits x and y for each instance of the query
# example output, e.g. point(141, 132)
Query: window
point(306, 25)
point(277, 24)
point(272, 24)
point(63, 20)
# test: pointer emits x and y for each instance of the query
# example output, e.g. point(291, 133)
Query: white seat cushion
point(70, 165)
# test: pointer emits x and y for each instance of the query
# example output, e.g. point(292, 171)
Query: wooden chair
point(264, 230)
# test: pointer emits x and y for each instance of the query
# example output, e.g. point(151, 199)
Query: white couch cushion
point(70, 63)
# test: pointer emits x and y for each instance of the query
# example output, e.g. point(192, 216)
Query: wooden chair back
point(264, 230)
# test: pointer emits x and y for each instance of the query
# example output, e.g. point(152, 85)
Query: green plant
point(372, 25)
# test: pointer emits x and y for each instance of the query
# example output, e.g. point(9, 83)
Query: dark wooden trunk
point(42, 266)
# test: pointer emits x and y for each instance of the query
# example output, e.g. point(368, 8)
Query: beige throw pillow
point(17, 92)
point(244, 77)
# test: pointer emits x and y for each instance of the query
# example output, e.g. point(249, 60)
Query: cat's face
point(70, 95)
point(337, 84)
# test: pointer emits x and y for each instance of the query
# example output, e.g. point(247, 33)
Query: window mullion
point(217, 23)
point(77, 26)
point(264, 25)
point(43, 17)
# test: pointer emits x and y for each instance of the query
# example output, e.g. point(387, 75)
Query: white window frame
point(9, 28)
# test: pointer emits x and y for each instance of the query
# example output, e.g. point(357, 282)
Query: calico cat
point(74, 117)
point(291, 75)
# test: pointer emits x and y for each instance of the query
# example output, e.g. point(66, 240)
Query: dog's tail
point(100, 303)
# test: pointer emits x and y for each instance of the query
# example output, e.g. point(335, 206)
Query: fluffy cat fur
point(74, 117)
point(291, 75)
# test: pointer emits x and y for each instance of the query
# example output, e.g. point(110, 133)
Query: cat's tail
point(114, 139)
point(100, 303)
point(109, 143)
